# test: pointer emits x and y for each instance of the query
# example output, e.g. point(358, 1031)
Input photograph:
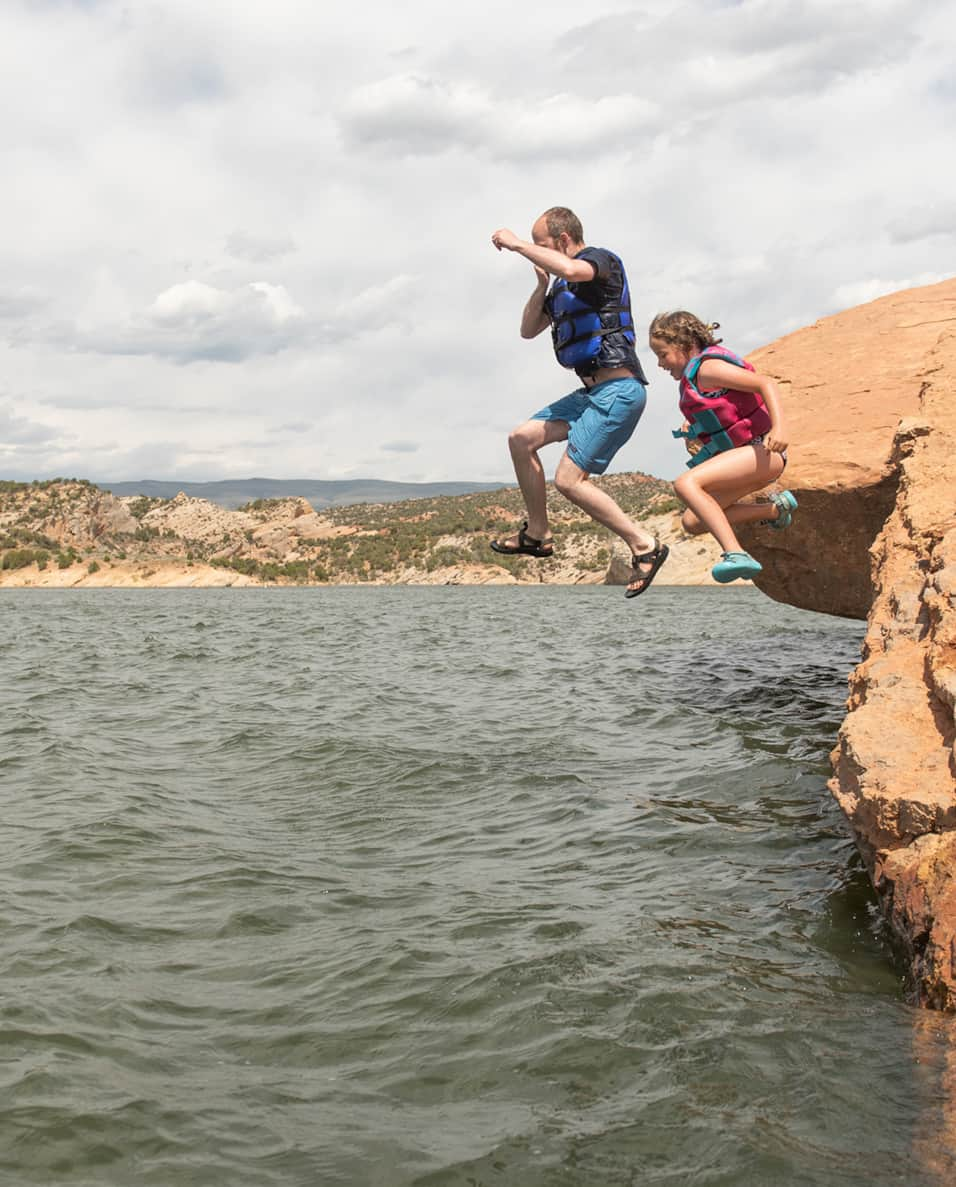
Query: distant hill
point(69, 532)
point(237, 492)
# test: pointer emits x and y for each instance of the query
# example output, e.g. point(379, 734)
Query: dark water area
point(474, 886)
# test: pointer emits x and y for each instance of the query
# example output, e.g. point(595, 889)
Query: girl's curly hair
point(685, 330)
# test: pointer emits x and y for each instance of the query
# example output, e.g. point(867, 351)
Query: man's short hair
point(559, 221)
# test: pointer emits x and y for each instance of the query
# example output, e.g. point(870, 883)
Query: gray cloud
point(292, 427)
point(410, 115)
point(19, 431)
point(173, 58)
point(165, 459)
point(259, 249)
point(105, 400)
point(400, 446)
point(758, 52)
point(924, 222)
point(14, 305)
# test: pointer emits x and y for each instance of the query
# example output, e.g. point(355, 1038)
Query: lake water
point(513, 886)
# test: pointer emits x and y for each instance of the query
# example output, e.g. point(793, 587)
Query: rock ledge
point(875, 537)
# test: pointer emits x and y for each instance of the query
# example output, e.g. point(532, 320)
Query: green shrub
point(664, 505)
point(18, 558)
point(443, 557)
point(296, 570)
point(240, 564)
point(139, 507)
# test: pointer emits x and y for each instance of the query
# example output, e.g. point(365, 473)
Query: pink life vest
point(722, 419)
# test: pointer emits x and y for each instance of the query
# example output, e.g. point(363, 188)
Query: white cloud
point(412, 115)
point(409, 114)
point(861, 291)
point(258, 249)
point(193, 321)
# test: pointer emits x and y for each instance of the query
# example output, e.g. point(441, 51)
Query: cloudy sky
point(252, 237)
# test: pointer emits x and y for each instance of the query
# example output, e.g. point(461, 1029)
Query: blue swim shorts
point(601, 419)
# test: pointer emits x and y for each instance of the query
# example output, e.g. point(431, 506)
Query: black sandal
point(656, 557)
point(526, 546)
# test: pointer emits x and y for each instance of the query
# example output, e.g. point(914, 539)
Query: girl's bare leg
point(711, 490)
point(737, 513)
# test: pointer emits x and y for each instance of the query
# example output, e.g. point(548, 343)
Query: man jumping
point(589, 311)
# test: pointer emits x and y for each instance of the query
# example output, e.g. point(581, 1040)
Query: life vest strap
point(625, 330)
point(719, 443)
point(705, 421)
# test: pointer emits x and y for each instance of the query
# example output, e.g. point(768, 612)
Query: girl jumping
point(736, 434)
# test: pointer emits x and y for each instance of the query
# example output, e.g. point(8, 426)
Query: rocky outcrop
point(872, 409)
point(197, 521)
point(93, 520)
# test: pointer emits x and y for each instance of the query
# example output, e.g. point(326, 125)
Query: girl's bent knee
point(684, 486)
point(691, 524)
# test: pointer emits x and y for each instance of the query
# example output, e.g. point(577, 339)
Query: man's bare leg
point(524, 443)
point(574, 483)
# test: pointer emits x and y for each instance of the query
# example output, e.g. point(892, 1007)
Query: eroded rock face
point(895, 762)
point(875, 537)
point(91, 517)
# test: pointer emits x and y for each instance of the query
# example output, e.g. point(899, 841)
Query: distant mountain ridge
point(237, 492)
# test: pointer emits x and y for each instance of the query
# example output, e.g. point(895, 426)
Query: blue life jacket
point(578, 329)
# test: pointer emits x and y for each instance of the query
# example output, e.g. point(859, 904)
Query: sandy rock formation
point(463, 575)
point(126, 575)
point(198, 520)
point(872, 408)
point(93, 517)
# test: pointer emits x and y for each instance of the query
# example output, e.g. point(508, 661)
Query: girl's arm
point(715, 374)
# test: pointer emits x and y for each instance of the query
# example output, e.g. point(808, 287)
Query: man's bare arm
point(534, 319)
point(554, 262)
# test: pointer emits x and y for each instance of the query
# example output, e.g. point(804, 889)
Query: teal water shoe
point(736, 566)
point(786, 504)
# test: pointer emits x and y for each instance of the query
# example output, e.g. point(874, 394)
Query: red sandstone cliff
point(871, 401)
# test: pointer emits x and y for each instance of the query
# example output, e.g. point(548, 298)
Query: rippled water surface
point(441, 886)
